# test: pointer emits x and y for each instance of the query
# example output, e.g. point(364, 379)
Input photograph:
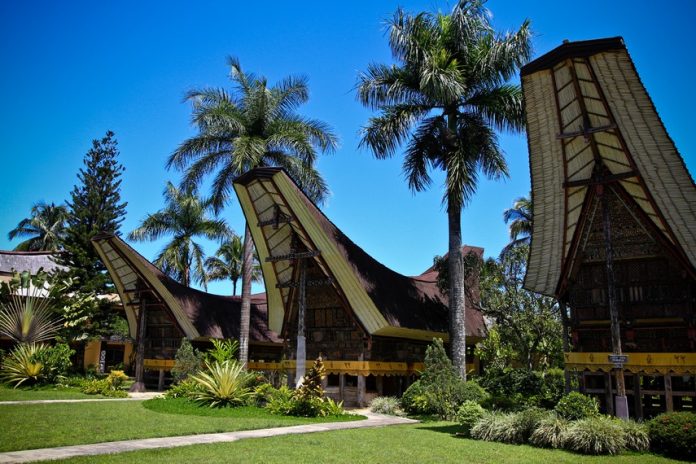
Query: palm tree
point(43, 230)
point(519, 218)
point(184, 218)
point(227, 263)
point(256, 125)
point(445, 98)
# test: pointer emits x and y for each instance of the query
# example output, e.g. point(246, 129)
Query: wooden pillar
point(608, 394)
point(160, 382)
point(621, 401)
point(638, 395)
point(341, 386)
point(669, 402)
point(566, 341)
point(379, 380)
point(361, 386)
point(139, 385)
point(301, 355)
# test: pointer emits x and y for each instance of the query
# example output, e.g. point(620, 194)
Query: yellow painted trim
point(276, 310)
point(173, 304)
point(164, 364)
point(349, 367)
point(663, 363)
point(411, 334)
point(343, 272)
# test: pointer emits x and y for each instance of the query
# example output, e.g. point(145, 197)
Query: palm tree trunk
point(457, 302)
point(245, 316)
point(234, 287)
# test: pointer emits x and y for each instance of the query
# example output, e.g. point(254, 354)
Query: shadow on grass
point(450, 429)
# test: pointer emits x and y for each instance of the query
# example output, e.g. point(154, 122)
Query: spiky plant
point(223, 384)
point(550, 433)
point(27, 317)
point(21, 366)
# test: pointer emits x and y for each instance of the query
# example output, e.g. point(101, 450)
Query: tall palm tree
point(227, 263)
point(519, 218)
point(184, 217)
point(255, 125)
point(43, 230)
point(444, 99)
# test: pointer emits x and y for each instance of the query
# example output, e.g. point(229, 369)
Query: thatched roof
point(198, 314)
point(588, 112)
point(384, 302)
point(32, 261)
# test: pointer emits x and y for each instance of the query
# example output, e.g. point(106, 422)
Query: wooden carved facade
point(614, 234)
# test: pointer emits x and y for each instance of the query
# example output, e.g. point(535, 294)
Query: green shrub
point(636, 435)
point(553, 389)
point(550, 432)
point(187, 388)
point(102, 387)
point(525, 422)
point(469, 391)
point(115, 379)
point(440, 390)
point(22, 365)
point(414, 401)
point(595, 435)
point(280, 401)
point(222, 384)
point(503, 403)
point(222, 350)
point(468, 415)
point(188, 361)
point(263, 394)
point(386, 405)
point(674, 434)
point(575, 405)
point(56, 361)
point(496, 426)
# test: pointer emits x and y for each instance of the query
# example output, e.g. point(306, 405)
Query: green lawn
point(48, 392)
point(50, 425)
point(421, 443)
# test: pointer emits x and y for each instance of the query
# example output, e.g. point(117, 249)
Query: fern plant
point(223, 384)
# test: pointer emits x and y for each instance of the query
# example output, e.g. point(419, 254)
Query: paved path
point(131, 397)
point(64, 452)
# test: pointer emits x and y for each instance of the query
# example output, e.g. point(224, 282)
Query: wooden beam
point(293, 256)
point(585, 131)
point(308, 283)
point(139, 385)
point(601, 180)
point(669, 401)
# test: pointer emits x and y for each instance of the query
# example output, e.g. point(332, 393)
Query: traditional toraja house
point(370, 324)
point(173, 311)
point(367, 321)
point(614, 235)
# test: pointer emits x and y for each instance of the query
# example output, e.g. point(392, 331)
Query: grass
point(46, 392)
point(422, 443)
point(50, 425)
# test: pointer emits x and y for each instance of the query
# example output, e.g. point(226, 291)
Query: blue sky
point(72, 70)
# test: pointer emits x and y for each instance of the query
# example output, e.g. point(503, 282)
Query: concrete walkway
point(131, 397)
point(64, 452)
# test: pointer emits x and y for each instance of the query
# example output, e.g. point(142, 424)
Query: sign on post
point(618, 360)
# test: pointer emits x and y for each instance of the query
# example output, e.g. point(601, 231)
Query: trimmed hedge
point(674, 434)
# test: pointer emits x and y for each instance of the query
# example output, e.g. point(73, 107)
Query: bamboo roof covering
point(198, 314)
point(384, 302)
point(589, 117)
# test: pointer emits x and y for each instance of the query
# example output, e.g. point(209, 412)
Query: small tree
point(188, 361)
point(311, 385)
